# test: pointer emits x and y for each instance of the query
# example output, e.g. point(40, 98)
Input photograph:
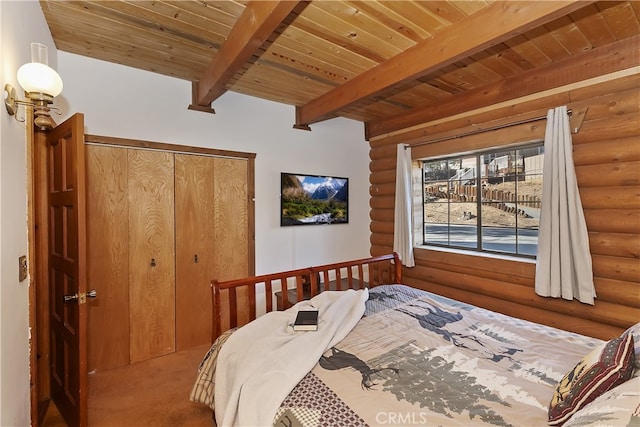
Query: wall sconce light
point(41, 84)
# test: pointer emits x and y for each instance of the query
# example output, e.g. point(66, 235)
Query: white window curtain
point(563, 267)
point(402, 224)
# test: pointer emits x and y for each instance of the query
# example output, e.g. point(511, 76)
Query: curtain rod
point(477, 131)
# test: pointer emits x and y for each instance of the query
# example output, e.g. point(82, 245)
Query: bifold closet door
point(151, 254)
point(161, 226)
point(231, 212)
point(195, 255)
point(212, 237)
point(108, 257)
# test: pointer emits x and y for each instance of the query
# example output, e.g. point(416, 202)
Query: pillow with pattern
point(599, 371)
point(635, 331)
point(619, 407)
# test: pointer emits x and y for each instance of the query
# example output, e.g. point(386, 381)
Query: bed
point(388, 354)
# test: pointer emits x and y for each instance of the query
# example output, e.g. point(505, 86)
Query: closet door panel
point(108, 257)
point(231, 218)
point(232, 237)
point(195, 255)
point(151, 254)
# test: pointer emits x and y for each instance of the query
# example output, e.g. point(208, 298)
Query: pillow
point(635, 331)
point(619, 407)
point(599, 371)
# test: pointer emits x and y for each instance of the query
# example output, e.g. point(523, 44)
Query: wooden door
point(187, 214)
point(232, 217)
point(213, 240)
point(67, 274)
point(195, 254)
point(151, 254)
point(231, 214)
point(108, 256)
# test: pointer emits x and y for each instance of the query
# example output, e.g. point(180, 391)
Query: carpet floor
point(153, 393)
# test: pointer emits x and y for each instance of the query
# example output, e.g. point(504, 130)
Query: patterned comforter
point(420, 359)
point(416, 358)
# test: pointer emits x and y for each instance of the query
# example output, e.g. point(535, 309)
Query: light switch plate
point(23, 269)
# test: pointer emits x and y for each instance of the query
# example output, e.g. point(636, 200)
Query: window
point(485, 201)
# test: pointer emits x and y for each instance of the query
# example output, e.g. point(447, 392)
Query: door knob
point(82, 298)
point(69, 298)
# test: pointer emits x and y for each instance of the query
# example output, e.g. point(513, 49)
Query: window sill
point(456, 251)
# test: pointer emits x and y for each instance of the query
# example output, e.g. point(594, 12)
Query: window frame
point(420, 226)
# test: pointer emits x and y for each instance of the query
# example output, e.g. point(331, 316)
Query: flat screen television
point(313, 199)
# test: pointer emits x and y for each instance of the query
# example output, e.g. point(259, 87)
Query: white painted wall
point(21, 22)
point(123, 102)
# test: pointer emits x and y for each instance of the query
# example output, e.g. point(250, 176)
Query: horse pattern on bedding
point(416, 358)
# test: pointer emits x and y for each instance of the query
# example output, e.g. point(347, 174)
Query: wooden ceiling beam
point(259, 20)
point(500, 21)
point(607, 59)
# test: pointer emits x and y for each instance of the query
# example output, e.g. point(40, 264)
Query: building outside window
point(485, 201)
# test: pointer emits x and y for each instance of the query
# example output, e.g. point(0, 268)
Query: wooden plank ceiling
point(389, 64)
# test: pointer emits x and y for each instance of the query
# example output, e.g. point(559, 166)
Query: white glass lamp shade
point(35, 77)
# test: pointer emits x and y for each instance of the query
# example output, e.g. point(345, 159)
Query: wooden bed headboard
point(237, 302)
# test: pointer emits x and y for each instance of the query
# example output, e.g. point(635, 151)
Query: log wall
point(607, 161)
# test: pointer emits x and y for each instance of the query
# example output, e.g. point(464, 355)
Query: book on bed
point(306, 320)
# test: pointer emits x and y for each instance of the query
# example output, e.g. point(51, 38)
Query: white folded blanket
point(263, 361)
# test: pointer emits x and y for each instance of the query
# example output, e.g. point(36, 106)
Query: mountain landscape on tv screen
point(309, 199)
